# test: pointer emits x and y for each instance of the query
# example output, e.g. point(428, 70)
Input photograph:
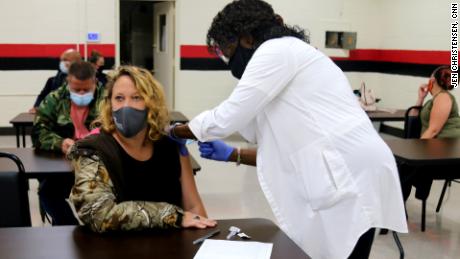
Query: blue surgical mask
point(129, 121)
point(63, 67)
point(81, 99)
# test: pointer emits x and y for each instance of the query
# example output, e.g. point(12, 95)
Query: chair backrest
point(412, 124)
point(14, 201)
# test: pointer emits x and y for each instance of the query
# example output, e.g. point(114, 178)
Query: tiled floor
point(229, 191)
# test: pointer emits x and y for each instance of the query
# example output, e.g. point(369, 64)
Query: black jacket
point(52, 84)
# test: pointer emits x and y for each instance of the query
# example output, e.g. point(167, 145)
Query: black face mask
point(129, 121)
point(240, 60)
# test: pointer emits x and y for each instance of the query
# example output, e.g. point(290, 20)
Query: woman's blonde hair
point(152, 93)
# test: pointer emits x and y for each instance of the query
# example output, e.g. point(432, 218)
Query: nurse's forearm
point(247, 156)
point(182, 131)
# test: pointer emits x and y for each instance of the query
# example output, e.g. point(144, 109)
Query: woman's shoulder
point(288, 49)
point(283, 44)
point(165, 141)
point(93, 144)
point(443, 97)
point(451, 95)
point(167, 146)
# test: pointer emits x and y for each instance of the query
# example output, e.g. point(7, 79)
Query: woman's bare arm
point(442, 105)
point(190, 196)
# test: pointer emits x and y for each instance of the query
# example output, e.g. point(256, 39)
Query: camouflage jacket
point(52, 122)
point(95, 200)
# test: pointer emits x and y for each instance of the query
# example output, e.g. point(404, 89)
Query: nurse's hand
point(180, 141)
point(215, 150)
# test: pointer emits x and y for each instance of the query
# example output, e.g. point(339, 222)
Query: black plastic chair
point(412, 129)
point(14, 201)
point(447, 183)
point(412, 124)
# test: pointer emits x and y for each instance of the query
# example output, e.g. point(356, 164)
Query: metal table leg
point(17, 136)
point(23, 131)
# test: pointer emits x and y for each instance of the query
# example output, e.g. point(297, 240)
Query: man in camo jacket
point(64, 116)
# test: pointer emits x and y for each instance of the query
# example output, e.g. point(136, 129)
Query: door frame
point(172, 44)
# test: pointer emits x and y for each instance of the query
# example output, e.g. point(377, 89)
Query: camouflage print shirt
point(53, 123)
point(94, 199)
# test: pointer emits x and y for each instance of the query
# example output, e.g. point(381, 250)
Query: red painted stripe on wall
point(51, 50)
point(195, 51)
point(399, 56)
point(380, 55)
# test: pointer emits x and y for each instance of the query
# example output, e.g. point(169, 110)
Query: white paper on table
point(225, 249)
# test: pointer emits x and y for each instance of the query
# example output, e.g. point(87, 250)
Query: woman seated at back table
point(440, 119)
point(131, 176)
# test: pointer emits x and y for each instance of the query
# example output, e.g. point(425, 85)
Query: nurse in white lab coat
point(327, 175)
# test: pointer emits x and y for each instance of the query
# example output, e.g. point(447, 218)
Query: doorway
point(136, 30)
point(147, 40)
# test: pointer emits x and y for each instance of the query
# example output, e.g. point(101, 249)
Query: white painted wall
point(56, 21)
point(197, 91)
point(46, 22)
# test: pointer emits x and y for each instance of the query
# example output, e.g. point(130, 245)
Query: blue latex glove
point(215, 150)
point(181, 144)
point(180, 141)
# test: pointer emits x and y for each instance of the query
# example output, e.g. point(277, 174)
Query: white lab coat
point(323, 168)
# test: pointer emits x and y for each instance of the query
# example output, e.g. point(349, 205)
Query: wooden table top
point(25, 118)
point(37, 163)
point(73, 242)
point(397, 115)
point(44, 164)
point(426, 151)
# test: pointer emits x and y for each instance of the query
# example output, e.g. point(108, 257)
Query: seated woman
point(440, 119)
point(439, 115)
point(131, 175)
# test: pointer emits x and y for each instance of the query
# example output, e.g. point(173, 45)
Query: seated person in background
point(67, 58)
point(97, 60)
point(131, 176)
point(440, 119)
point(439, 115)
point(63, 117)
